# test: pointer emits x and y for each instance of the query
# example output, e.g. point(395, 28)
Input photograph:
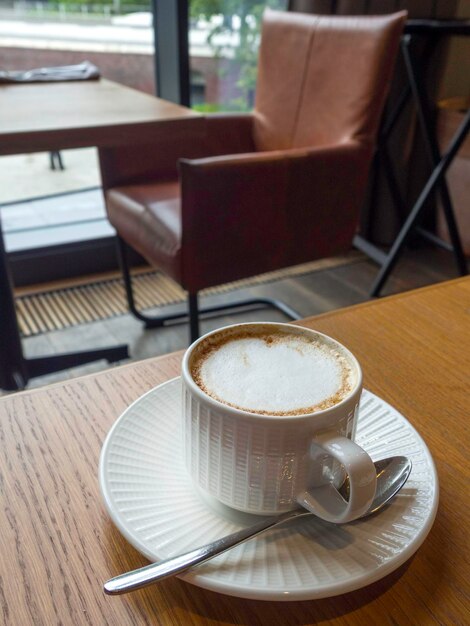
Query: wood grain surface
point(55, 116)
point(58, 545)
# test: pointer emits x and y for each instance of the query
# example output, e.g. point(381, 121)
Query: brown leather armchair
point(280, 186)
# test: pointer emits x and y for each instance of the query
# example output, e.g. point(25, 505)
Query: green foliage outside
point(249, 14)
point(89, 8)
point(117, 5)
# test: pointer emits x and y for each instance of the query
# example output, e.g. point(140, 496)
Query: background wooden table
point(58, 545)
point(73, 114)
point(45, 116)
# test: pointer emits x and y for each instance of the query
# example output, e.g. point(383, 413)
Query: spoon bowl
point(392, 474)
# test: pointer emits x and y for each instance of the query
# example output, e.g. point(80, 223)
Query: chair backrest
point(322, 79)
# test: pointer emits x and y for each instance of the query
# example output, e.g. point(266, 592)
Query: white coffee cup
point(270, 459)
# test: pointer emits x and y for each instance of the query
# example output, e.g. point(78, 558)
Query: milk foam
point(275, 374)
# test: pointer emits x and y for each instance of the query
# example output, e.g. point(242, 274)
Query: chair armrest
point(154, 162)
point(253, 213)
point(229, 133)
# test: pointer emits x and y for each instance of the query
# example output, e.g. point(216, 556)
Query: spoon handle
point(392, 474)
point(149, 574)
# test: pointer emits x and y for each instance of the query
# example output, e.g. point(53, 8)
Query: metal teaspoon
point(392, 474)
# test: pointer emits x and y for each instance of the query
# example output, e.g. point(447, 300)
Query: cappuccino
point(272, 371)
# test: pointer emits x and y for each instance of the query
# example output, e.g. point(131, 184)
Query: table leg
point(415, 214)
point(416, 88)
point(415, 72)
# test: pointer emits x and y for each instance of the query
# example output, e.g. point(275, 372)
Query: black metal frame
point(433, 30)
point(170, 25)
point(193, 312)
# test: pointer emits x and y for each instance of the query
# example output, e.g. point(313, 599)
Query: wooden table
point(55, 116)
point(58, 544)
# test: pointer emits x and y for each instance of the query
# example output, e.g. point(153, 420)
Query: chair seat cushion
point(148, 217)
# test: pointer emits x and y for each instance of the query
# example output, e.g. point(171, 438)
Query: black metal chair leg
point(155, 321)
point(193, 313)
point(124, 263)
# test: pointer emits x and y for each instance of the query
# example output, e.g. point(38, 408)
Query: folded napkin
point(82, 71)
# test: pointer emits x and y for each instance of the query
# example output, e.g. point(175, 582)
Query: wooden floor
point(316, 293)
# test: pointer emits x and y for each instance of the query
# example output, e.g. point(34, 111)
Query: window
point(131, 46)
point(223, 47)
point(38, 209)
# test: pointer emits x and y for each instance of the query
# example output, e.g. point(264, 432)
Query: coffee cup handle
point(325, 501)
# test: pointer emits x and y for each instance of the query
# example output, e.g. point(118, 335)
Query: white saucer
point(150, 498)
